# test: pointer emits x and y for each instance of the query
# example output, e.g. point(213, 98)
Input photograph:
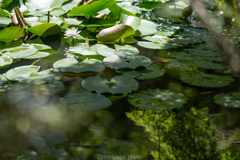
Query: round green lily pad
point(229, 99)
point(22, 73)
point(117, 85)
point(22, 51)
point(158, 100)
point(153, 71)
point(129, 62)
point(38, 55)
point(73, 66)
point(45, 76)
point(5, 61)
point(86, 101)
point(206, 80)
point(83, 49)
point(104, 50)
point(210, 65)
point(126, 50)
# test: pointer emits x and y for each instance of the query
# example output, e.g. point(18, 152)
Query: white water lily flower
point(71, 33)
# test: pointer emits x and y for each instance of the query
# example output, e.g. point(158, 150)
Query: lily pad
point(98, 22)
point(73, 66)
point(132, 21)
point(126, 50)
point(158, 100)
point(83, 49)
point(46, 5)
point(153, 71)
point(86, 101)
point(22, 51)
point(229, 99)
point(206, 80)
point(104, 50)
point(21, 74)
point(210, 65)
point(117, 85)
point(153, 45)
point(130, 62)
point(147, 28)
point(38, 55)
point(5, 61)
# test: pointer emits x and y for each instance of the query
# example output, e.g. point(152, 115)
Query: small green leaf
point(45, 29)
point(11, 33)
point(83, 49)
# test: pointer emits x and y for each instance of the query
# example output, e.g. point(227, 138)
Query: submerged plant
point(71, 34)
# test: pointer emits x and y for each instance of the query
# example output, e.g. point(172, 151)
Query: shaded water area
point(35, 124)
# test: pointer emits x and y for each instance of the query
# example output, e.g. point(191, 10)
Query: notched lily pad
point(86, 101)
point(126, 50)
point(117, 85)
point(206, 80)
point(130, 62)
point(73, 66)
point(22, 51)
point(158, 100)
point(229, 99)
point(153, 71)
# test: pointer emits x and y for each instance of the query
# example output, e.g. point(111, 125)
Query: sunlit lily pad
point(158, 100)
point(86, 101)
point(11, 33)
point(147, 28)
point(22, 51)
point(5, 61)
point(130, 62)
point(126, 50)
point(45, 29)
point(38, 55)
point(83, 49)
point(104, 50)
point(45, 76)
point(117, 85)
point(98, 22)
point(206, 80)
point(229, 99)
point(132, 21)
point(22, 73)
point(73, 66)
point(153, 45)
point(153, 71)
point(41, 47)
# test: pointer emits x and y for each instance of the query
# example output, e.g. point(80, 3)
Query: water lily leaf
point(5, 61)
point(203, 53)
point(104, 50)
point(68, 5)
point(158, 100)
point(46, 5)
point(126, 50)
point(153, 45)
point(229, 99)
point(210, 65)
point(91, 9)
point(153, 71)
point(158, 39)
point(147, 28)
point(132, 21)
point(38, 55)
point(83, 49)
point(183, 56)
point(45, 29)
point(184, 65)
point(98, 22)
point(45, 76)
point(20, 74)
point(129, 62)
point(206, 80)
point(73, 66)
point(86, 101)
point(4, 12)
point(22, 51)
point(114, 33)
point(129, 7)
point(41, 47)
point(117, 85)
point(11, 33)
